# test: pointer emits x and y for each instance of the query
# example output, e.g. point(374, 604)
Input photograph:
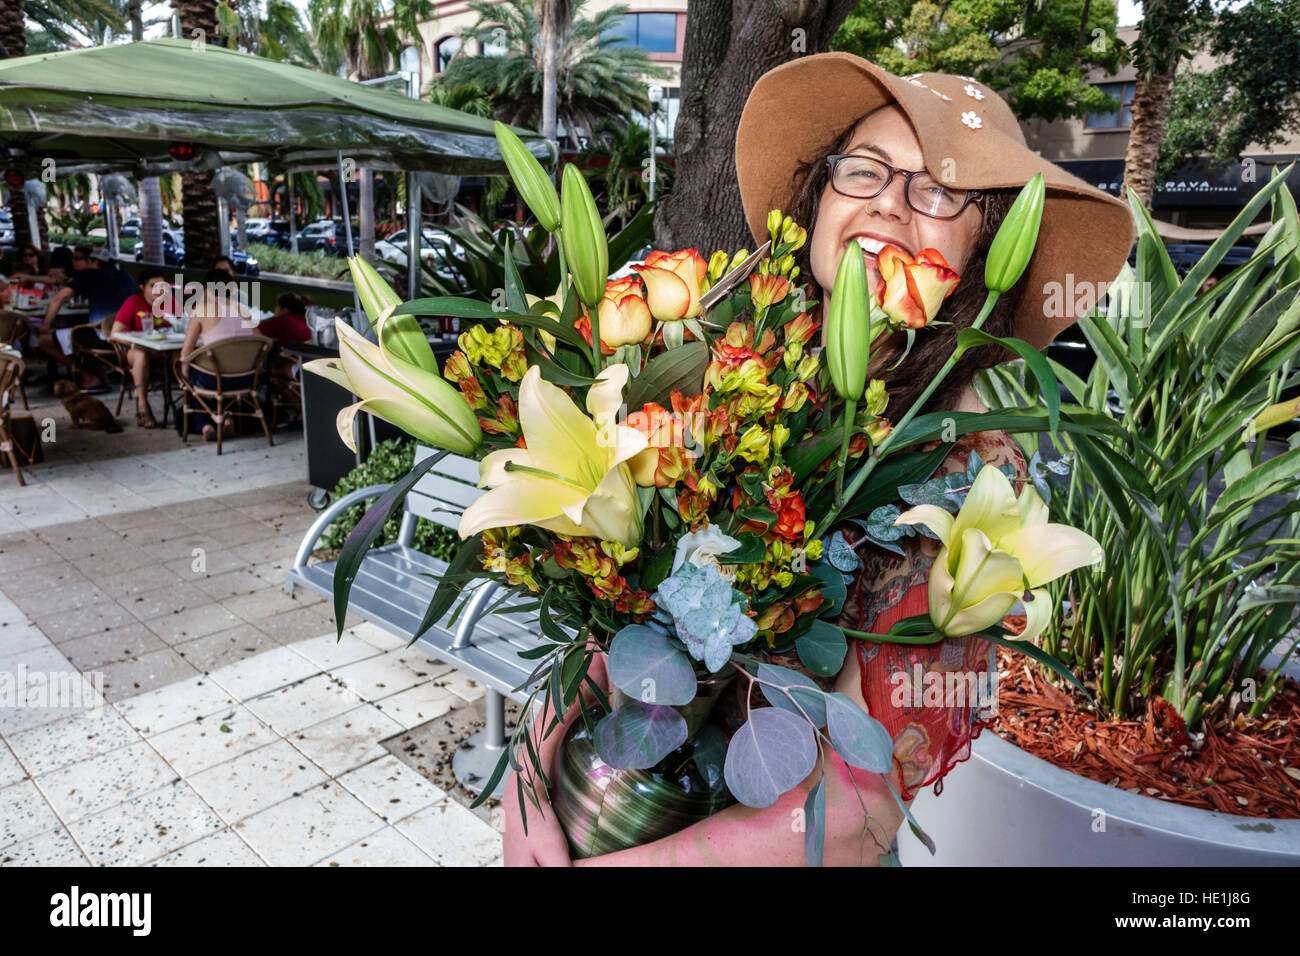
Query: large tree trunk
point(202, 237)
point(728, 47)
point(1150, 116)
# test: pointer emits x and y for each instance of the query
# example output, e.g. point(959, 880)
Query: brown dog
point(85, 411)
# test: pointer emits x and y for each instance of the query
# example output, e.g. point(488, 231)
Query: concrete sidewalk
point(205, 717)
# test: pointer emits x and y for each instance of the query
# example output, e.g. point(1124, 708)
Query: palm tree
point(269, 28)
point(365, 36)
point(202, 242)
point(73, 22)
point(619, 179)
point(597, 73)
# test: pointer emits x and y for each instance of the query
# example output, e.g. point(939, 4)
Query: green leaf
point(1035, 361)
point(752, 550)
point(366, 530)
point(1038, 654)
point(814, 812)
point(823, 648)
point(681, 368)
point(469, 554)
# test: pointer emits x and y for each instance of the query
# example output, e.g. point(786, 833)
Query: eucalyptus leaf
point(823, 648)
point(770, 754)
point(861, 740)
point(804, 691)
point(840, 554)
point(637, 735)
point(814, 815)
point(710, 755)
point(644, 665)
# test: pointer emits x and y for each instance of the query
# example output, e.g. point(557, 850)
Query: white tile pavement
point(275, 760)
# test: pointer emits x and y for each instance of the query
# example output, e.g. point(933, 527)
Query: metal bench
point(392, 589)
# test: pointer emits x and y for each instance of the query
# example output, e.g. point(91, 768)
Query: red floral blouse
point(931, 733)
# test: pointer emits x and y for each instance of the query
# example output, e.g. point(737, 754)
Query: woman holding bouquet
point(930, 162)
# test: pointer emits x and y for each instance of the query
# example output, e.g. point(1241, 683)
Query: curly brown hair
point(935, 345)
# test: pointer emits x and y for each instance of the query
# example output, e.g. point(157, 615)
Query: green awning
point(121, 106)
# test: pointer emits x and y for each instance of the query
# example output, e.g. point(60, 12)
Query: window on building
point(651, 32)
point(444, 51)
point(494, 48)
point(1121, 118)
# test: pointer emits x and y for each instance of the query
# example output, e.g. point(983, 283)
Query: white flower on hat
point(972, 91)
point(971, 120)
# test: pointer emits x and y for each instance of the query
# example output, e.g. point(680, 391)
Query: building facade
point(1195, 196)
point(656, 26)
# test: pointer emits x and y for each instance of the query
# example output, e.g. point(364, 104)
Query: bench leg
point(476, 757)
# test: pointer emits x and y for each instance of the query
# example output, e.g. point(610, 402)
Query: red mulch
point(1244, 766)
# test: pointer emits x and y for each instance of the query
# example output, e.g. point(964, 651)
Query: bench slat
point(454, 466)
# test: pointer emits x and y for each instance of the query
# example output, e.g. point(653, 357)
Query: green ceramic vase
point(603, 810)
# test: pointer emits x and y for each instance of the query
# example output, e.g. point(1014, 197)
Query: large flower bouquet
point(667, 457)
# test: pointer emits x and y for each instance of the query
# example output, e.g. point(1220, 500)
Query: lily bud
point(374, 293)
point(1016, 238)
point(847, 326)
point(531, 181)
point(740, 256)
point(583, 235)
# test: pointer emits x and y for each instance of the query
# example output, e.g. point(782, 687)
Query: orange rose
point(912, 290)
point(674, 283)
point(624, 316)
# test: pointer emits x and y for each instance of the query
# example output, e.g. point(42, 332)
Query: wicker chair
point(11, 377)
point(237, 356)
point(14, 329)
point(94, 352)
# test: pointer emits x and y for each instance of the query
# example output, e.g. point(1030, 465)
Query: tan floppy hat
point(970, 140)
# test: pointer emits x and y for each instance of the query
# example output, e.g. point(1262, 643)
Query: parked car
point(174, 253)
point(325, 236)
point(435, 245)
point(173, 247)
point(268, 232)
point(6, 229)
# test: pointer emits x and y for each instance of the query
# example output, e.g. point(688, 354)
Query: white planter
point(1006, 807)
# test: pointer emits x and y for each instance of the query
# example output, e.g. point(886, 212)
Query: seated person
point(137, 315)
point(100, 283)
point(218, 316)
point(225, 264)
point(30, 276)
point(287, 326)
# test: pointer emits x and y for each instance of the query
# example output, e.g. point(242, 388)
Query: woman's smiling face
point(886, 134)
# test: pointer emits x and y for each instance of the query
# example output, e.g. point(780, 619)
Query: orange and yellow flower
point(674, 282)
point(912, 290)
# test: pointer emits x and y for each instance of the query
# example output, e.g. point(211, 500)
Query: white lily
point(574, 477)
point(997, 550)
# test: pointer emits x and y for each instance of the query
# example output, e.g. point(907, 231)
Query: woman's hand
point(544, 844)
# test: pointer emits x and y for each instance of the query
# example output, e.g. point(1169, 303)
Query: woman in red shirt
point(137, 315)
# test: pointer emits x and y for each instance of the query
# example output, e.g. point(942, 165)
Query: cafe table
point(163, 343)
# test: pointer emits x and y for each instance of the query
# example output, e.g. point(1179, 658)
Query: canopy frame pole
point(347, 232)
point(293, 225)
point(414, 230)
point(414, 227)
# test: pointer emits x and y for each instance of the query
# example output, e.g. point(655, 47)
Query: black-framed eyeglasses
point(864, 177)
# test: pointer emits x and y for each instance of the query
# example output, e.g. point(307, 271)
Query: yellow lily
point(997, 548)
point(574, 476)
point(398, 380)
